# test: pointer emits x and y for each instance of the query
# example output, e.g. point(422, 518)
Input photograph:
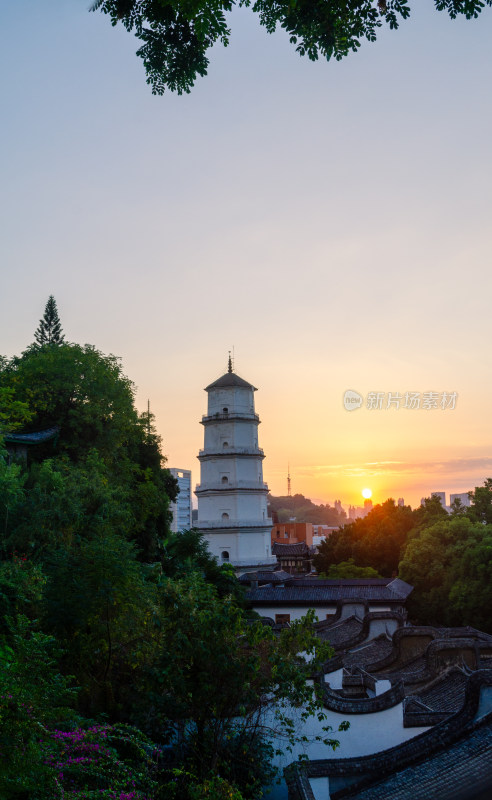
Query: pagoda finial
point(229, 366)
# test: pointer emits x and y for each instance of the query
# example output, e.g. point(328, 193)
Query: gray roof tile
point(368, 654)
point(230, 379)
point(314, 594)
point(295, 549)
point(447, 694)
point(342, 633)
point(462, 770)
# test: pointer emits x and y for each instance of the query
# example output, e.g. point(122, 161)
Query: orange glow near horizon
point(335, 453)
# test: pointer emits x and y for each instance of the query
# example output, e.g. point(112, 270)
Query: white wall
point(244, 547)
point(368, 733)
point(235, 398)
point(321, 788)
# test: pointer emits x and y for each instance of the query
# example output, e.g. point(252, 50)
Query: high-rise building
point(401, 501)
point(181, 509)
point(232, 495)
point(462, 496)
point(441, 496)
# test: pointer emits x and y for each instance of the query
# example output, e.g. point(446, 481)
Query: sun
point(366, 493)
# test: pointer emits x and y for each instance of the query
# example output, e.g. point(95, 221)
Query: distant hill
point(304, 510)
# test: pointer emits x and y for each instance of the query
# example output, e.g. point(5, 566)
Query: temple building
point(18, 444)
point(232, 495)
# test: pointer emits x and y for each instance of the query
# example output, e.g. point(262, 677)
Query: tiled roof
point(296, 549)
point(400, 587)
point(450, 761)
point(447, 694)
point(230, 379)
point(32, 438)
point(367, 654)
point(461, 770)
point(344, 632)
point(314, 593)
point(314, 581)
point(463, 632)
point(411, 670)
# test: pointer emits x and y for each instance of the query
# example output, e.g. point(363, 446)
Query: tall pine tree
point(49, 330)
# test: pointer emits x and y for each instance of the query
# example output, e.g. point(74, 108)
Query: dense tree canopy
point(81, 390)
point(109, 621)
point(372, 541)
point(176, 35)
point(450, 566)
point(104, 469)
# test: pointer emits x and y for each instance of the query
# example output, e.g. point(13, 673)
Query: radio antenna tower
point(289, 494)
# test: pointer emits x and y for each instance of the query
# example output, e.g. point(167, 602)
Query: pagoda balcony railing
point(219, 487)
point(232, 451)
point(232, 415)
point(208, 524)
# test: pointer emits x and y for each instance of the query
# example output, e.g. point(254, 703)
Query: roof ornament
point(229, 366)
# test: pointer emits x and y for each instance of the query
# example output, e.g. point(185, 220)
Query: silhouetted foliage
point(480, 509)
point(176, 35)
point(49, 330)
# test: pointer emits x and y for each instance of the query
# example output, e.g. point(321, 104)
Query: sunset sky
point(330, 221)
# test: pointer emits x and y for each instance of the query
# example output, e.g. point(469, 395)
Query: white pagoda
point(232, 496)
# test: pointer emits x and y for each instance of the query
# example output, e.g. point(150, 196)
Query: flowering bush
point(108, 762)
point(39, 762)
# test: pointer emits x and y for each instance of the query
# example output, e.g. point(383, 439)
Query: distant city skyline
point(330, 221)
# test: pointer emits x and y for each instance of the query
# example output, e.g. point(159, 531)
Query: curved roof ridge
point(32, 438)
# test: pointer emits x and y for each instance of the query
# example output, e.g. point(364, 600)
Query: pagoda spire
point(229, 365)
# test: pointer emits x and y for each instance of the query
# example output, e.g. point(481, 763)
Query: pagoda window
point(225, 410)
point(225, 555)
point(225, 444)
point(225, 479)
point(225, 516)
